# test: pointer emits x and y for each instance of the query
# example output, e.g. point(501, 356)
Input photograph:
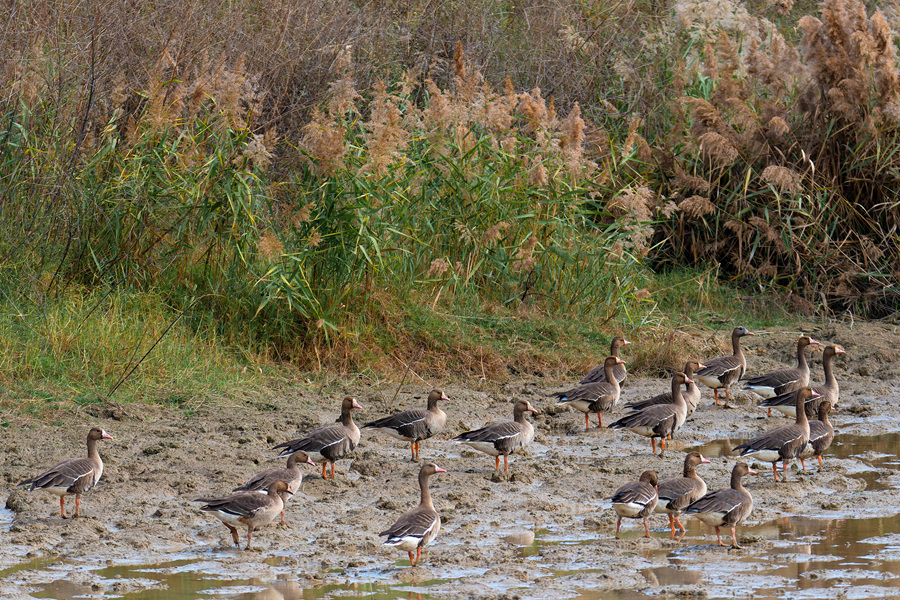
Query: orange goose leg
point(587, 421)
point(332, 470)
point(77, 504)
point(249, 537)
point(775, 470)
point(412, 561)
point(599, 420)
point(506, 462)
point(497, 462)
point(716, 394)
point(803, 464)
point(646, 529)
point(718, 537)
point(677, 520)
point(283, 524)
point(417, 450)
point(324, 474)
point(662, 444)
point(412, 450)
point(672, 526)
point(418, 553)
point(734, 543)
point(820, 463)
point(62, 507)
point(618, 524)
point(727, 396)
point(653, 444)
point(234, 533)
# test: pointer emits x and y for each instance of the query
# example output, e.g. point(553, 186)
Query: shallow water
point(876, 457)
point(809, 558)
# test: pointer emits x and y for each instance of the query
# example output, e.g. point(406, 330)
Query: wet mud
point(543, 530)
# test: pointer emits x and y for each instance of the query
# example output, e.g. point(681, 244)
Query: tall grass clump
point(787, 172)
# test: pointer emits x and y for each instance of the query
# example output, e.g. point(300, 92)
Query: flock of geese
point(260, 500)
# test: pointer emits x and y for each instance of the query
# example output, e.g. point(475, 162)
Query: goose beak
point(688, 380)
point(704, 460)
point(437, 469)
point(105, 435)
point(751, 471)
point(619, 361)
point(356, 404)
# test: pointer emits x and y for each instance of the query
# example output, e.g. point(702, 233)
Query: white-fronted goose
point(723, 371)
point(291, 475)
point(636, 500)
point(726, 507)
point(414, 425)
point(678, 493)
point(251, 509)
point(329, 443)
point(597, 397)
point(784, 443)
point(782, 381)
point(419, 526)
point(691, 394)
point(659, 420)
point(827, 391)
point(504, 438)
point(73, 476)
point(598, 373)
point(821, 434)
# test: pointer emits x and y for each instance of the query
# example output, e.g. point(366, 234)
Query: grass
point(75, 350)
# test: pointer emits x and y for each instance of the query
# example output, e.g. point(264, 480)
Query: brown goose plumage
point(691, 394)
point(726, 507)
point(597, 397)
point(330, 443)
point(658, 420)
point(783, 381)
point(829, 390)
point(724, 371)
point(414, 425)
point(821, 434)
point(784, 443)
point(251, 509)
point(636, 500)
point(677, 493)
point(291, 475)
point(73, 476)
point(504, 438)
point(419, 526)
point(598, 373)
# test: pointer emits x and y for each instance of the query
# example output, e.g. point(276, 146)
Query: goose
point(829, 390)
point(821, 434)
point(783, 443)
point(723, 371)
point(782, 381)
point(330, 443)
point(74, 476)
point(691, 394)
point(597, 397)
point(251, 509)
point(659, 420)
point(504, 438)
point(636, 500)
point(677, 493)
point(418, 527)
point(726, 507)
point(414, 425)
point(291, 475)
point(598, 373)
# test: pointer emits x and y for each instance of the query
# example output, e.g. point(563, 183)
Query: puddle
point(879, 455)
point(803, 558)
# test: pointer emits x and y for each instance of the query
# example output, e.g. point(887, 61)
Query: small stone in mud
point(16, 501)
point(152, 450)
point(830, 505)
point(750, 539)
point(386, 504)
point(592, 522)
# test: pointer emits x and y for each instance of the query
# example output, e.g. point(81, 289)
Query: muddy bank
point(543, 531)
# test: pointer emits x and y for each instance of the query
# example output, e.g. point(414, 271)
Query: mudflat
point(544, 529)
